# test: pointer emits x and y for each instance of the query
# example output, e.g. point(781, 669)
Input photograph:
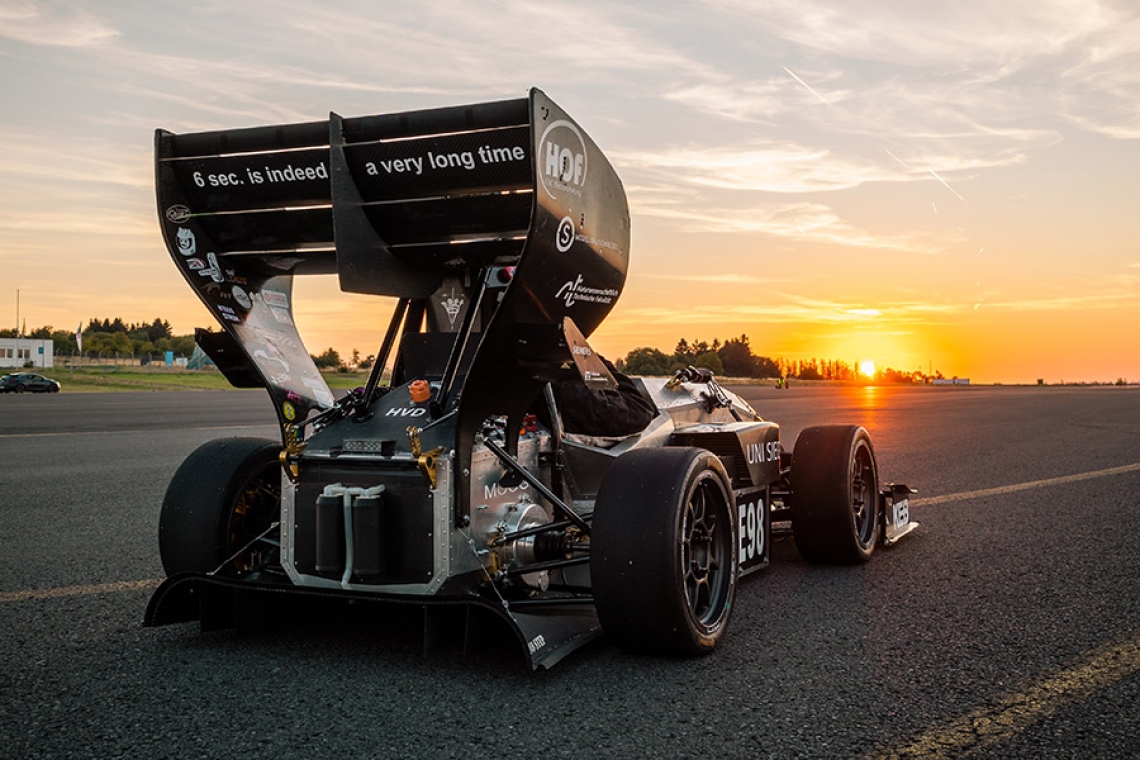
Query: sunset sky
point(952, 185)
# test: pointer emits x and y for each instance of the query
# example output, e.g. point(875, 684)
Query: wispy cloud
point(759, 101)
point(1077, 57)
point(726, 278)
point(771, 167)
point(53, 26)
point(791, 308)
point(964, 35)
point(76, 160)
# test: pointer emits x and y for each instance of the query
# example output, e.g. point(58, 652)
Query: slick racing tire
point(219, 507)
point(835, 495)
point(664, 555)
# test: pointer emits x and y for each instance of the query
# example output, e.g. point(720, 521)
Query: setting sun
point(867, 368)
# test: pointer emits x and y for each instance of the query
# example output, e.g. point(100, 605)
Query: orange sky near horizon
point(952, 187)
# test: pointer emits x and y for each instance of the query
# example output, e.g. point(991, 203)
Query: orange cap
point(420, 391)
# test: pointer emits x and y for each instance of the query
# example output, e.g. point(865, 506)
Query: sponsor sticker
point(405, 412)
point(213, 271)
point(565, 236)
point(562, 159)
point(275, 298)
point(452, 304)
point(242, 297)
point(187, 243)
point(178, 214)
point(289, 411)
point(574, 291)
point(228, 314)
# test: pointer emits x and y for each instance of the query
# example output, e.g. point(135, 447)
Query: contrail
point(935, 174)
point(902, 163)
point(807, 87)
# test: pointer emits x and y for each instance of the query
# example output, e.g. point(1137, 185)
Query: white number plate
point(902, 514)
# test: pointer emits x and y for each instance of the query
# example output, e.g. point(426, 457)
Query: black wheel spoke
point(703, 552)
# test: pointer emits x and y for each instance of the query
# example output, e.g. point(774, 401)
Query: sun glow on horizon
point(867, 368)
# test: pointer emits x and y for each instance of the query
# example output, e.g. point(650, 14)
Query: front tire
point(219, 508)
point(664, 555)
point(835, 492)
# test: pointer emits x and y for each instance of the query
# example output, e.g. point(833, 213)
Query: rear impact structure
point(501, 231)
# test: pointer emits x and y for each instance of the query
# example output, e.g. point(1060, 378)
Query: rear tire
point(225, 494)
point(664, 553)
point(835, 495)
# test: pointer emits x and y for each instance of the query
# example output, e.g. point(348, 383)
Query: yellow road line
point(1033, 702)
point(932, 500)
point(101, 588)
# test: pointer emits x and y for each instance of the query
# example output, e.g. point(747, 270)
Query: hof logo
point(178, 214)
point(565, 236)
point(563, 159)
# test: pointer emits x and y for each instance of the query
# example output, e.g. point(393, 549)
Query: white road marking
point(962, 496)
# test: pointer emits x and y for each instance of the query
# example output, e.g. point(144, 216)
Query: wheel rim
point(706, 553)
point(251, 537)
point(863, 495)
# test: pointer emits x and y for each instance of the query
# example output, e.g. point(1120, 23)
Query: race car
point(500, 234)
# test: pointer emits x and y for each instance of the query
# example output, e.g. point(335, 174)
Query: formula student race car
point(501, 232)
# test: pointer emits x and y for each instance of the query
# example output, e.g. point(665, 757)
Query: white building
point(16, 352)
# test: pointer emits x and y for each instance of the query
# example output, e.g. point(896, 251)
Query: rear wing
point(427, 207)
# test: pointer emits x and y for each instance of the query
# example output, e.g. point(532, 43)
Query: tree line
point(735, 358)
point(147, 340)
point(113, 337)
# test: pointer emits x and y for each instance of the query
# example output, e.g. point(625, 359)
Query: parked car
point(28, 382)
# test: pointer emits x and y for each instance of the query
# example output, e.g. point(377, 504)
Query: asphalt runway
point(1008, 625)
